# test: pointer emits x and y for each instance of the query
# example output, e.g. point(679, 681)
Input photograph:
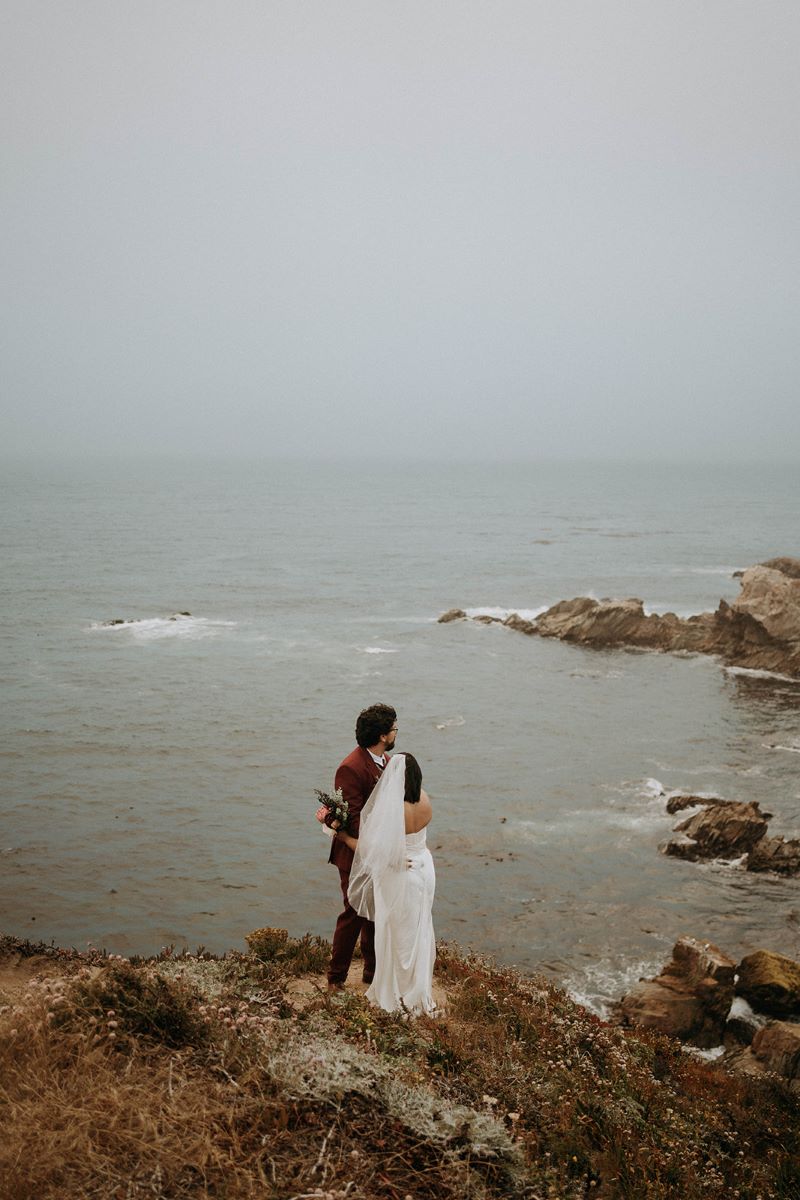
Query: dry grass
point(194, 1077)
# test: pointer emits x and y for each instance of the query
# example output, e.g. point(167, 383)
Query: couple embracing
point(385, 870)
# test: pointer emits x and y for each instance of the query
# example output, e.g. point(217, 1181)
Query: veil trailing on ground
point(378, 873)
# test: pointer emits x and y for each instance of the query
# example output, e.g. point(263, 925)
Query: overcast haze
point(427, 229)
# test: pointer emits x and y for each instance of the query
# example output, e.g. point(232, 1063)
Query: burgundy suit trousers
point(348, 927)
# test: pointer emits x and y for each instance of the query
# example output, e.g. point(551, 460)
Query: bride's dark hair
point(413, 780)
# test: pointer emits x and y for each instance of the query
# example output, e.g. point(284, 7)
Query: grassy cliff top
point(193, 1075)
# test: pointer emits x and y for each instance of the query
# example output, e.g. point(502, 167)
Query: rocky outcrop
point(520, 624)
point(719, 831)
point(759, 630)
point(787, 566)
point(775, 1050)
point(452, 614)
point(609, 623)
point(771, 983)
point(775, 854)
point(728, 829)
point(690, 999)
point(777, 1046)
point(693, 1000)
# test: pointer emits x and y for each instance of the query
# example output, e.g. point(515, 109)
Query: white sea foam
point(180, 625)
point(793, 749)
point(527, 614)
point(589, 674)
point(754, 673)
point(452, 723)
point(653, 787)
point(377, 650)
point(706, 1055)
point(603, 983)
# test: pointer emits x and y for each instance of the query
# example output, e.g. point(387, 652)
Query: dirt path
point(305, 989)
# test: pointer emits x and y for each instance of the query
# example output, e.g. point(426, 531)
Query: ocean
point(158, 775)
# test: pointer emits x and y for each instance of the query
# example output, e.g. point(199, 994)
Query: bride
point(392, 883)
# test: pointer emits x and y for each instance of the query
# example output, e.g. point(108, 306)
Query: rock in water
point(787, 566)
point(719, 831)
point(515, 621)
point(775, 854)
point(759, 630)
point(691, 997)
point(770, 982)
point(605, 623)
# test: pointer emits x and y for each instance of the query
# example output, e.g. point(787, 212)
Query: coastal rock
point(775, 854)
point(760, 630)
point(608, 623)
point(787, 566)
point(719, 831)
point(691, 997)
point(770, 982)
point(520, 624)
point(777, 1048)
point(452, 614)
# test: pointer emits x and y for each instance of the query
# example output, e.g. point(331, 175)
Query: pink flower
point(321, 814)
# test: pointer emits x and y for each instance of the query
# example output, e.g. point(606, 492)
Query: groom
point(376, 730)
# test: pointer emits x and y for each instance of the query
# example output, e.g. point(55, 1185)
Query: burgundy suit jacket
point(356, 775)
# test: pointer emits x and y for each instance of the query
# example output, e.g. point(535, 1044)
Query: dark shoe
point(367, 978)
point(335, 987)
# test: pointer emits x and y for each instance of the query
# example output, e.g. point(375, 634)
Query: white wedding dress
point(392, 882)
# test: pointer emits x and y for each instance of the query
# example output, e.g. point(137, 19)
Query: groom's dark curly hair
point(372, 722)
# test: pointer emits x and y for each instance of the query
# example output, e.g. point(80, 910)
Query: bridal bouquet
point(333, 812)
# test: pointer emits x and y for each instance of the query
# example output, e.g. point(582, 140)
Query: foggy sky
point(520, 228)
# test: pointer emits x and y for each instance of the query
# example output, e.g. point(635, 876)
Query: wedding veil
point(378, 873)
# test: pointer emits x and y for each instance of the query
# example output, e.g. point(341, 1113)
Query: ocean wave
point(376, 650)
point(704, 1055)
point(755, 673)
point(604, 983)
point(180, 625)
point(589, 674)
point(793, 749)
point(452, 723)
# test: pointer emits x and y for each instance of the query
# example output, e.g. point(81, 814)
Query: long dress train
point(392, 882)
point(405, 947)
